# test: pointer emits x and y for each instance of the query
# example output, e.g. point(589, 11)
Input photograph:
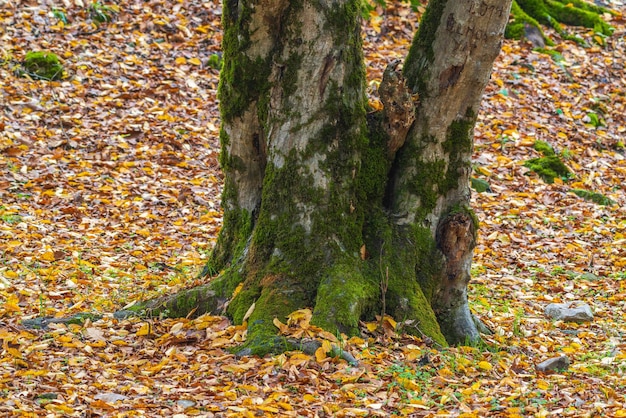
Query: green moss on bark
point(421, 53)
point(413, 266)
point(515, 28)
point(242, 79)
point(344, 296)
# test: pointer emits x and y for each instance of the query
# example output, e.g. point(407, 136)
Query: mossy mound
point(42, 65)
point(544, 148)
point(554, 13)
point(598, 198)
point(550, 165)
point(549, 168)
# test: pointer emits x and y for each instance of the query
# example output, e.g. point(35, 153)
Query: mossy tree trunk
point(324, 201)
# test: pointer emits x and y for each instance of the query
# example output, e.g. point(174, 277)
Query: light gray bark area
point(453, 75)
point(248, 175)
point(466, 42)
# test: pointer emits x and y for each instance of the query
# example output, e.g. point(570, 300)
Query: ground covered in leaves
point(109, 193)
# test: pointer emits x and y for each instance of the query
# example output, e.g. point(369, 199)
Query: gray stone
point(110, 397)
point(554, 364)
point(563, 312)
point(185, 403)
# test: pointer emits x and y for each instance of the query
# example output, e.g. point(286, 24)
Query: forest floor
point(109, 193)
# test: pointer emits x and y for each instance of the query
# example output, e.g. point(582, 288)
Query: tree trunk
point(326, 204)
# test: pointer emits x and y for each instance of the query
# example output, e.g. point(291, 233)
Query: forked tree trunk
point(323, 201)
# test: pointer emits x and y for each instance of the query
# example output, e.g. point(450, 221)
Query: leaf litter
point(109, 188)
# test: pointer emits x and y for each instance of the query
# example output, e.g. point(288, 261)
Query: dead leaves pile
point(109, 188)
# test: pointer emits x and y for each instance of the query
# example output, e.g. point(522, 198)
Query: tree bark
point(324, 201)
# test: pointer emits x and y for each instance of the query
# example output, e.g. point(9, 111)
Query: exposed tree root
point(555, 13)
point(43, 322)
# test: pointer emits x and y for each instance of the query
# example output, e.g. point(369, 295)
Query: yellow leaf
point(301, 314)
point(484, 365)
point(356, 341)
point(542, 384)
point(235, 368)
point(15, 352)
point(389, 321)
point(11, 304)
point(413, 355)
point(285, 406)
point(320, 354)
point(445, 372)
point(143, 232)
point(195, 61)
point(10, 274)
point(375, 104)
point(408, 384)
point(144, 330)
point(327, 346)
point(371, 326)
point(48, 256)
point(268, 409)
point(309, 398)
point(181, 61)
point(237, 289)
point(230, 395)
point(13, 244)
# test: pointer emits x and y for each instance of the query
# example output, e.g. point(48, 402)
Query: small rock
point(563, 312)
point(554, 364)
point(589, 276)
point(185, 403)
point(109, 397)
point(534, 36)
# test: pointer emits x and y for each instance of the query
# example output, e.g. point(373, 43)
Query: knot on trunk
point(456, 238)
point(399, 106)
